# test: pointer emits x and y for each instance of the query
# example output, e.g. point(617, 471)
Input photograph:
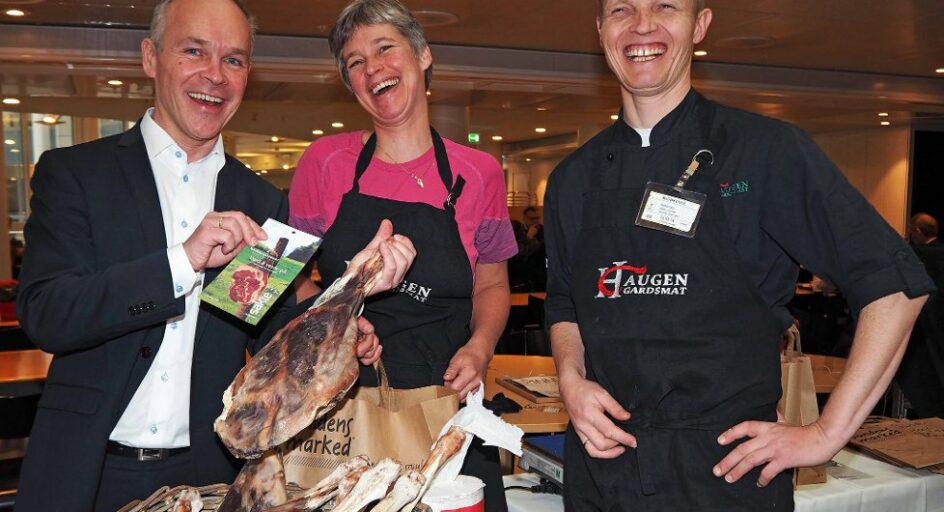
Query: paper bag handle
point(383, 384)
point(792, 337)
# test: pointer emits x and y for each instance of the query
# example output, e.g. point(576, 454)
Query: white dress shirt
point(158, 415)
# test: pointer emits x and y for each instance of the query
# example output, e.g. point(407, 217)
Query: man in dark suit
point(123, 234)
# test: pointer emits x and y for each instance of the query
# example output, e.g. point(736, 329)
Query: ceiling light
point(614, 117)
point(496, 137)
point(14, 150)
point(285, 167)
point(49, 119)
point(428, 93)
point(430, 18)
point(264, 171)
point(274, 138)
point(886, 123)
point(115, 83)
point(11, 101)
point(700, 53)
point(883, 114)
point(939, 70)
point(527, 159)
point(13, 178)
point(16, 13)
point(337, 124)
point(9, 142)
point(540, 130)
point(317, 132)
point(542, 109)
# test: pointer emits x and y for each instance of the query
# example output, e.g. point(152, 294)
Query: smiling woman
point(442, 325)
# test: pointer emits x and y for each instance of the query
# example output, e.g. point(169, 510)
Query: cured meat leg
point(406, 488)
point(259, 486)
point(302, 373)
point(371, 487)
point(445, 448)
point(326, 489)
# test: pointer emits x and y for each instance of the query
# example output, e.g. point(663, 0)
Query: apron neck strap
point(442, 165)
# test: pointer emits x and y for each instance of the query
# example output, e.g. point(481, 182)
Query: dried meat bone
point(405, 490)
point(188, 501)
point(327, 488)
point(259, 486)
point(444, 449)
point(372, 486)
point(302, 373)
point(347, 484)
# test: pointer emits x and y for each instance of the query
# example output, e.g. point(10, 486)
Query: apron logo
point(738, 187)
point(415, 291)
point(622, 279)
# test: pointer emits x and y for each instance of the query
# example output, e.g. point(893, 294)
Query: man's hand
point(219, 237)
point(467, 369)
point(778, 445)
point(368, 345)
point(398, 254)
point(588, 405)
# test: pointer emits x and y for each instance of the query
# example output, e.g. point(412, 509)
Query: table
point(534, 418)
point(23, 371)
point(857, 483)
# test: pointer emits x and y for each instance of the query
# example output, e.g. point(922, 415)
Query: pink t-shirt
point(326, 172)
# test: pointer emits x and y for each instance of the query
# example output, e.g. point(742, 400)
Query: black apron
point(425, 321)
point(676, 332)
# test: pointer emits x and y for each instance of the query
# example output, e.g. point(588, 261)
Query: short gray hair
point(699, 5)
point(376, 12)
point(159, 21)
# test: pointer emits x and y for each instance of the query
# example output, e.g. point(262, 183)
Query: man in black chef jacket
point(673, 239)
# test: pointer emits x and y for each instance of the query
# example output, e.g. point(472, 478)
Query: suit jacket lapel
point(136, 167)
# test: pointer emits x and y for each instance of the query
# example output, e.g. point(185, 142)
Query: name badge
point(671, 209)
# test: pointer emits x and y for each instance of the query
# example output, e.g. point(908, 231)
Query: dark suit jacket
point(921, 374)
point(96, 291)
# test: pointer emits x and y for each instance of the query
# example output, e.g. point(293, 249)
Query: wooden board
point(534, 396)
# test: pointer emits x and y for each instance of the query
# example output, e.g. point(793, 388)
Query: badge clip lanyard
point(675, 210)
point(692, 167)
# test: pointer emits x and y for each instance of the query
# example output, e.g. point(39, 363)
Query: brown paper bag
point(798, 402)
point(378, 422)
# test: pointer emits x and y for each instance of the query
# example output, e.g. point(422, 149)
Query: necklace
point(417, 179)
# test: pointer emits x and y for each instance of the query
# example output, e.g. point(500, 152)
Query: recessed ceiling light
point(16, 13)
point(48, 119)
point(337, 124)
point(9, 142)
point(285, 167)
point(317, 132)
point(11, 101)
point(614, 117)
point(496, 137)
point(542, 109)
point(700, 53)
point(274, 138)
point(939, 70)
point(527, 159)
point(540, 130)
point(264, 171)
point(886, 123)
point(13, 178)
point(883, 114)
point(115, 82)
point(14, 150)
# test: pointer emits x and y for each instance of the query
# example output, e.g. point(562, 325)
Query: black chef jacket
point(786, 201)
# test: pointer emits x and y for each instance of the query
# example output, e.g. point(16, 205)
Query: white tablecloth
point(856, 483)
